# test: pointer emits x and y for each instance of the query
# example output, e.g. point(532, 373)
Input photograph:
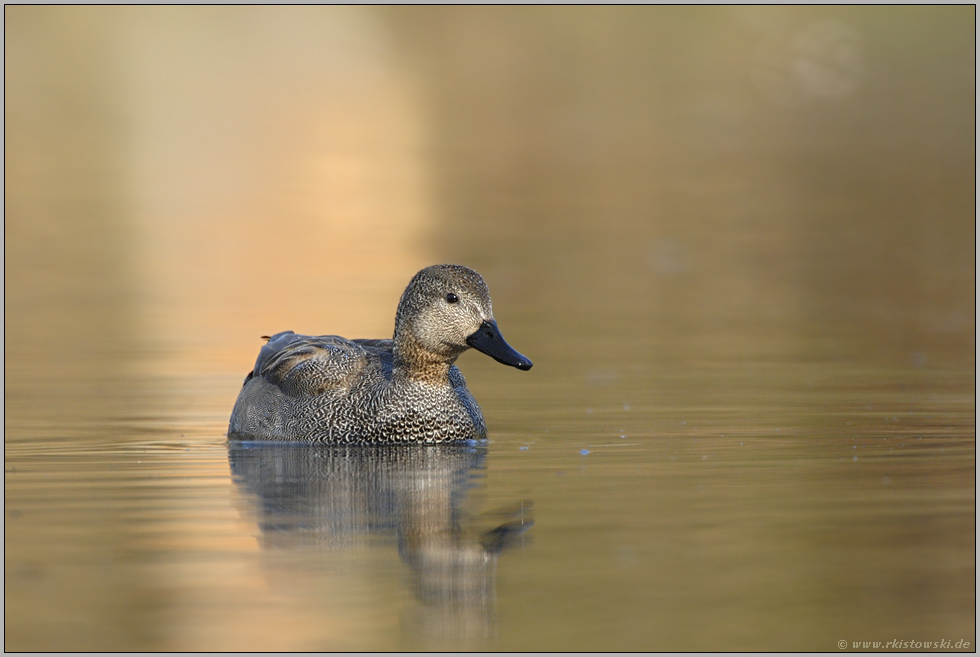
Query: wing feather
point(310, 364)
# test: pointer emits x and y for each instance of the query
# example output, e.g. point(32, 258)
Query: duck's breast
point(468, 402)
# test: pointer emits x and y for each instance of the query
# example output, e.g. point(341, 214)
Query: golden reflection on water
point(738, 244)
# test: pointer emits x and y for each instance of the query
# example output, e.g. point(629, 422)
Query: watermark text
point(899, 644)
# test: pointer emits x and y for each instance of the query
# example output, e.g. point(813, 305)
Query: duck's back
point(314, 364)
point(330, 389)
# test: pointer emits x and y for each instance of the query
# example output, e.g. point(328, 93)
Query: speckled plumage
point(328, 389)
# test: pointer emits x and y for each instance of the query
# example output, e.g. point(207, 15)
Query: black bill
point(488, 340)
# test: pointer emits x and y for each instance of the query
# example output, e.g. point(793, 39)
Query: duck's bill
point(488, 340)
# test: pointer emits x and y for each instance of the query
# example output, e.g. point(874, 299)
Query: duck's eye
point(452, 298)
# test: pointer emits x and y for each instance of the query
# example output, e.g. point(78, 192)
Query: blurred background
point(747, 181)
point(650, 192)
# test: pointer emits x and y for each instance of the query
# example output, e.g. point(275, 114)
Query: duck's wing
point(310, 364)
point(380, 352)
point(381, 346)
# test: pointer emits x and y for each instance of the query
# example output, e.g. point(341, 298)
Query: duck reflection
point(332, 496)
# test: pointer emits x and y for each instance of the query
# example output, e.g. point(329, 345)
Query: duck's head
point(444, 311)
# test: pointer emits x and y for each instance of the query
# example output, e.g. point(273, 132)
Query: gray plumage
point(328, 389)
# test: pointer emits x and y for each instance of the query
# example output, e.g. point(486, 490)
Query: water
point(737, 245)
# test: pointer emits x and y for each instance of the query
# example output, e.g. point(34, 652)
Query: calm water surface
point(738, 245)
point(790, 506)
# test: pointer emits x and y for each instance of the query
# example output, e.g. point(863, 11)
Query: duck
point(329, 389)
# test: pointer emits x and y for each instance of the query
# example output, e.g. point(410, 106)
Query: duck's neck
point(413, 363)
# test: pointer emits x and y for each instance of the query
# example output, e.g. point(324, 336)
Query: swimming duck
point(328, 389)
